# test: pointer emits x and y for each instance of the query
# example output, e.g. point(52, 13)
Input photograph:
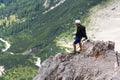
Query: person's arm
point(85, 35)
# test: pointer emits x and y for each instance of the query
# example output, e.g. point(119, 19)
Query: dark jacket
point(81, 32)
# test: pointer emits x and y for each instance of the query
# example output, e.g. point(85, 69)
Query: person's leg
point(74, 47)
point(77, 40)
point(80, 45)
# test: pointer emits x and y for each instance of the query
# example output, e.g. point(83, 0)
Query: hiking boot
point(79, 51)
point(73, 52)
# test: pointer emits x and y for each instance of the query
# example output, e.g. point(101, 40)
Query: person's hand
point(73, 34)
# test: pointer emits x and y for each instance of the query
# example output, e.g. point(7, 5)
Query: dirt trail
point(105, 23)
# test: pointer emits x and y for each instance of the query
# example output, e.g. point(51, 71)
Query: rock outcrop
point(97, 61)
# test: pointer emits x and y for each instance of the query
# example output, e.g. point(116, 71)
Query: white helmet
point(77, 21)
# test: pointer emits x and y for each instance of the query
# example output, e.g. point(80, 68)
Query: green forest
point(26, 26)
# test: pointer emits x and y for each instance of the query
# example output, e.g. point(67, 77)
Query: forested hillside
point(25, 24)
point(31, 26)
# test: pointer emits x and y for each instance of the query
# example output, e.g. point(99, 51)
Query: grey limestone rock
point(83, 66)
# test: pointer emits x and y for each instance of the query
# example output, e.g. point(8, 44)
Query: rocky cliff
point(97, 61)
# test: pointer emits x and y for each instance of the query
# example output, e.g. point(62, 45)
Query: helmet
point(77, 21)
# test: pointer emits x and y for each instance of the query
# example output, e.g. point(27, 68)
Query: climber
point(81, 33)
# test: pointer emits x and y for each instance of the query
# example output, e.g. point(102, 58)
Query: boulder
point(83, 66)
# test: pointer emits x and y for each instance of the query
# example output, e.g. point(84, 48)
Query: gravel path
point(105, 23)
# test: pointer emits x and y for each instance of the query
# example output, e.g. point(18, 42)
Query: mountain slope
point(26, 25)
point(83, 66)
point(32, 26)
point(106, 22)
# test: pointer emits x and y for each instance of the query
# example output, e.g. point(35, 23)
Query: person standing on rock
point(80, 33)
